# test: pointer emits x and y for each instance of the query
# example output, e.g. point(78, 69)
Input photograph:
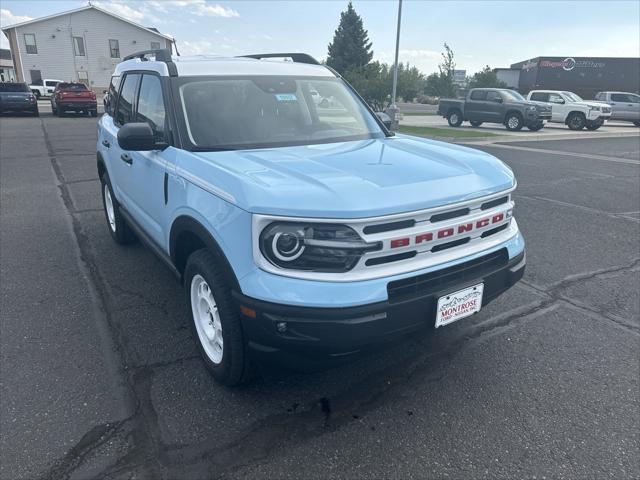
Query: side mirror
point(138, 137)
point(104, 92)
point(385, 119)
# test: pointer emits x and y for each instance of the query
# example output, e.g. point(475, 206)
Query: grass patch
point(444, 132)
point(418, 114)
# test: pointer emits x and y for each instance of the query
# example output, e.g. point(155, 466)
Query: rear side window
point(623, 98)
point(151, 105)
point(599, 96)
point(540, 97)
point(126, 100)
point(479, 95)
point(493, 96)
point(14, 87)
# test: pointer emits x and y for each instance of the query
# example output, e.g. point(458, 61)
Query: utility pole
point(393, 110)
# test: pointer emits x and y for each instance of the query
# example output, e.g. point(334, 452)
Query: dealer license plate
point(460, 304)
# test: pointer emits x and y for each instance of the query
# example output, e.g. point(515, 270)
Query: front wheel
point(215, 320)
point(514, 122)
point(576, 121)
point(455, 118)
point(475, 123)
point(118, 227)
point(535, 127)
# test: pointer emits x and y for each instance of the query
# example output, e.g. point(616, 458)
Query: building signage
point(570, 63)
point(529, 65)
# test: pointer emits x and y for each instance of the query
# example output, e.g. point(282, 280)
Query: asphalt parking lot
point(100, 378)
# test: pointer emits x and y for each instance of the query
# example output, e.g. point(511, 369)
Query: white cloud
point(7, 18)
point(123, 10)
point(215, 10)
point(196, 47)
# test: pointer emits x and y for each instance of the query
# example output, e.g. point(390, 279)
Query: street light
point(393, 110)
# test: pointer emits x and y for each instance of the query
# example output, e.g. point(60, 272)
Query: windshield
point(267, 111)
point(513, 95)
point(572, 96)
point(14, 87)
point(74, 87)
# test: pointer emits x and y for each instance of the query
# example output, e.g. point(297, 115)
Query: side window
point(493, 96)
point(30, 42)
point(540, 97)
point(114, 48)
point(479, 95)
point(78, 46)
point(555, 98)
point(151, 105)
point(112, 95)
point(633, 98)
point(155, 45)
point(51, 83)
point(599, 96)
point(125, 101)
point(620, 97)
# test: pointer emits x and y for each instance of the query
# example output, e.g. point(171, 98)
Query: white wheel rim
point(454, 118)
point(207, 319)
point(513, 122)
point(108, 206)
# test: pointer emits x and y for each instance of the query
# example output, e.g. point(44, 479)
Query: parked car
point(16, 97)
point(75, 97)
point(625, 106)
point(298, 235)
point(573, 111)
point(44, 88)
point(495, 105)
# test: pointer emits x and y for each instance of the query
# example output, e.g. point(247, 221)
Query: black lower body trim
point(302, 336)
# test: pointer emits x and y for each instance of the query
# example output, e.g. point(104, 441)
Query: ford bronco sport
point(301, 232)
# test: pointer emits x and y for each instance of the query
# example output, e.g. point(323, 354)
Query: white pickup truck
point(44, 88)
point(573, 111)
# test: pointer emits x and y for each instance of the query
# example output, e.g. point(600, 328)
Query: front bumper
point(302, 336)
point(596, 115)
point(535, 117)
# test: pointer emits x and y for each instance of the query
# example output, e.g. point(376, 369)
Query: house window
point(155, 45)
point(114, 48)
point(78, 46)
point(30, 42)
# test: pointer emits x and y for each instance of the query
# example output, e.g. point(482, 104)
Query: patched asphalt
point(100, 377)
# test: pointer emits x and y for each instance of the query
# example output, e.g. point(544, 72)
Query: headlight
point(531, 108)
point(313, 247)
point(597, 109)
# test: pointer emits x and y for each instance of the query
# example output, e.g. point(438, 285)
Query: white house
point(7, 72)
point(83, 45)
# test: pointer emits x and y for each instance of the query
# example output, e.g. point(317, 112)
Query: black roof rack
point(160, 54)
point(296, 57)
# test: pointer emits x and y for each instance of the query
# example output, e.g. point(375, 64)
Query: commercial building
point(7, 72)
point(583, 75)
point(82, 45)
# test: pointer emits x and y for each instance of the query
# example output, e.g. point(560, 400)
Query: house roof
point(87, 7)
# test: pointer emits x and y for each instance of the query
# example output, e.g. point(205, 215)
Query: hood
point(352, 179)
point(594, 104)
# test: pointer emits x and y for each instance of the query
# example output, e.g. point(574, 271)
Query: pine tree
point(351, 47)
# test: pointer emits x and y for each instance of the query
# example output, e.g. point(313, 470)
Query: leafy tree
point(486, 78)
point(411, 82)
point(441, 84)
point(351, 47)
point(372, 82)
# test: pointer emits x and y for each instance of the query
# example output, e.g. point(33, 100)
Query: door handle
point(106, 143)
point(126, 158)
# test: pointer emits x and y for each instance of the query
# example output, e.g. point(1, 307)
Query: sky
point(495, 33)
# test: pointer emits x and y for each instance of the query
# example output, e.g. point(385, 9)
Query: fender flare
point(186, 224)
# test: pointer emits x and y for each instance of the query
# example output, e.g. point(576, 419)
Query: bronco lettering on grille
point(449, 231)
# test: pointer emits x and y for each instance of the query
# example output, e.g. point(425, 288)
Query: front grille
point(399, 290)
point(606, 110)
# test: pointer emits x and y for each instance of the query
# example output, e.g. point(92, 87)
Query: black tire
point(594, 125)
point(94, 113)
point(536, 127)
point(514, 122)
point(475, 123)
point(454, 117)
point(576, 121)
point(234, 367)
point(120, 231)
point(36, 94)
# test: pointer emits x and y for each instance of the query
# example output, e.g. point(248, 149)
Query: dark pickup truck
point(17, 97)
point(495, 105)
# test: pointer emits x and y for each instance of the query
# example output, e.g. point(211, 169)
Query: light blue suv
point(303, 231)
